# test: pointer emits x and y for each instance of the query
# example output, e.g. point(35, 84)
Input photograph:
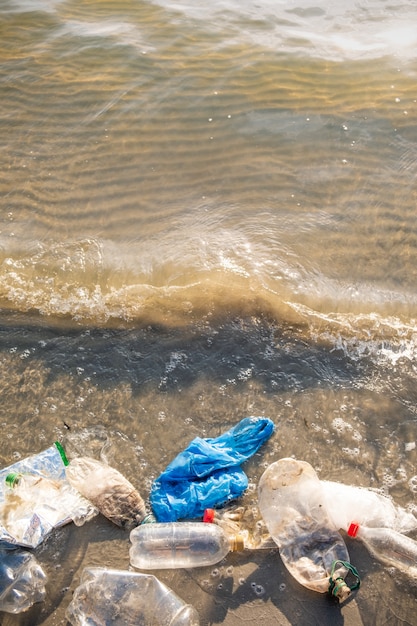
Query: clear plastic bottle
point(389, 546)
point(122, 598)
point(180, 544)
point(110, 492)
point(22, 581)
point(366, 506)
point(292, 505)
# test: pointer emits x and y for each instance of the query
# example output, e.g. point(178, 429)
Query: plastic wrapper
point(22, 580)
point(124, 598)
point(208, 473)
point(42, 500)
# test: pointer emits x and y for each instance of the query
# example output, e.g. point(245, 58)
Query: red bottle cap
point(353, 529)
point(208, 515)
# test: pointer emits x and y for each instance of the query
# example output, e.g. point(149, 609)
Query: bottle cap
point(353, 529)
point(12, 479)
point(237, 543)
point(208, 515)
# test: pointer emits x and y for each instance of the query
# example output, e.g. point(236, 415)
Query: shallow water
point(208, 212)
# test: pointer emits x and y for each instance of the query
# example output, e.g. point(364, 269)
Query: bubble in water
point(241, 581)
point(340, 425)
point(412, 483)
point(402, 474)
point(351, 451)
point(389, 480)
point(229, 570)
point(215, 573)
point(258, 589)
point(282, 587)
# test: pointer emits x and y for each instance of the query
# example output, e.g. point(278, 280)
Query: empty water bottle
point(121, 598)
point(113, 495)
point(22, 581)
point(291, 502)
point(389, 546)
point(366, 506)
point(180, 544)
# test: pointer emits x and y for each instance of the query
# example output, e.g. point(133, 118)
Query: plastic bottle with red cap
point(180, 544)
point(389, 546)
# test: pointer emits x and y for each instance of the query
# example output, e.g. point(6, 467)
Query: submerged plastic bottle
point(292, 504)
point(121, 598)
point(180, 544)
point(113, 495)
point(389, 546)
point(22, 581)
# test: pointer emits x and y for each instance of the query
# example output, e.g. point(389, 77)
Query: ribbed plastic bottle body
point(292, 505)
point(177, 545)
point(391, 547)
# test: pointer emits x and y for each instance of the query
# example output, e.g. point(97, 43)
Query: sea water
point(208, 212)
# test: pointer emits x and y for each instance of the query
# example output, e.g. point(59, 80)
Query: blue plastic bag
point(208, 473)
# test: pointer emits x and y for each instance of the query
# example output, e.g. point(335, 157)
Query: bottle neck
point(13, 479)
point(237, 543)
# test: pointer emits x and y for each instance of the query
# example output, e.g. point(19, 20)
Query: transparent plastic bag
point(124, 598)
point(35, 497)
